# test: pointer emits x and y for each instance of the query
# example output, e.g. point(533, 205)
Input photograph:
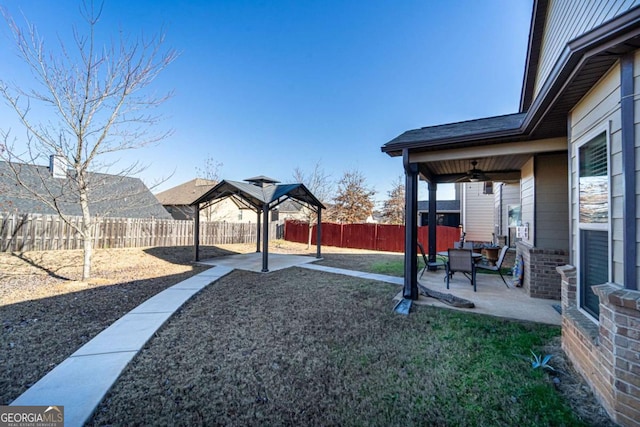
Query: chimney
point(58, 166)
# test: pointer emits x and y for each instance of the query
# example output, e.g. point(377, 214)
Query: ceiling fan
point(474, 174)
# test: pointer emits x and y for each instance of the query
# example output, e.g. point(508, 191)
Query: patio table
point(476, 257)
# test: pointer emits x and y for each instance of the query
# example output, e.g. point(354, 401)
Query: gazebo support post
point(433, 187)
point(265, 238)
point(258, 233)
point(318, 232)
point(410, 290)
point(196, 231)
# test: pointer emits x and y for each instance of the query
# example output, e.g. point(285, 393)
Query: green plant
point(537, 361)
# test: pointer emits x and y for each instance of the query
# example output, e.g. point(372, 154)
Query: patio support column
point(410, 290)
point(196, 231)
point(258, 233)
point(319, 232)
point(265, 238)
point(627, 125)
point(433, 247)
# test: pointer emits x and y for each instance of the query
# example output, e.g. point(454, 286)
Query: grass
point(390, 268)
point(301, 347)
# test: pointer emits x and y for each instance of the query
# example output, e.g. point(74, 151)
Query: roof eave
point(538, 18)
point(395, 149)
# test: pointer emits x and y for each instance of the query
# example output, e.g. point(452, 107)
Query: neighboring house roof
point(289, 206)
point(441, 205)
point(109, 195)
point(582, 62)
point(186, 193)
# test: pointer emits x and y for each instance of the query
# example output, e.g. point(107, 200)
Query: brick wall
point(607, 353)
point(541, 280)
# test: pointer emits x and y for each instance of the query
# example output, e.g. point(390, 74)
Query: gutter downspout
point(627, 107)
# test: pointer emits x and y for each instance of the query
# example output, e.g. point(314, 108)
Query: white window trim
point(581, 141)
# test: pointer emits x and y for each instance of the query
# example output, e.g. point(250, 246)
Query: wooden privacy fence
point(378, 237)
point(36, 232)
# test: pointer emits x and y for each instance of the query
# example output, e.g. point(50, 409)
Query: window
point(593, 221)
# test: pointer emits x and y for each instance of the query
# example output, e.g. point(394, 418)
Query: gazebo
point(261, 194)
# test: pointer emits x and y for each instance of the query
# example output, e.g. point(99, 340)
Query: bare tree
point(98, 99)
point(354, 200)
point(210, 175)
point(393, 207)
point(211, 169)
point(320, 185)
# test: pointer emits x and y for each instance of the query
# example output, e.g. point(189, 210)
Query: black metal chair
point(461, 260)
point(424, 258)
point(496, 267)
point(427, 264)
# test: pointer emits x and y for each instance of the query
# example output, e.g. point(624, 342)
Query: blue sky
point(267, 86)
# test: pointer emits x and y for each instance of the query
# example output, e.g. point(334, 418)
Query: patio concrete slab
point(253, 261)
point(492, 297)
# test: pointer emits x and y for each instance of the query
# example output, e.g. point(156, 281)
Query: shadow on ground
point(186, 254)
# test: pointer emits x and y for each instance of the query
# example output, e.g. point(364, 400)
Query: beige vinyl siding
point(228, 211)
point(568, 19)
point(552, 202)
point(600, 109)
point(527, 197)
point(478, 212)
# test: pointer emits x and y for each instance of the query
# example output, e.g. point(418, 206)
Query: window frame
point(607, 227)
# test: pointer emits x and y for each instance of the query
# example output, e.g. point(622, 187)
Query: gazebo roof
point(259, 191)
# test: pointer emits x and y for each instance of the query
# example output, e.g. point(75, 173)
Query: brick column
point(620, 344)
point(540, 270)
point(568, 286)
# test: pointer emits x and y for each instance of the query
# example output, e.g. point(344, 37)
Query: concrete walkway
point(81, 381)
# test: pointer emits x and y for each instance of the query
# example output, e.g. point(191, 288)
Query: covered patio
point(493, 149)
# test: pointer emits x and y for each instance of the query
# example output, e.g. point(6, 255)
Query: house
point(473, 210)
point(110, 195)
point(571, 148)
point(289, 209)
point(177, 201)
point(447, 212)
